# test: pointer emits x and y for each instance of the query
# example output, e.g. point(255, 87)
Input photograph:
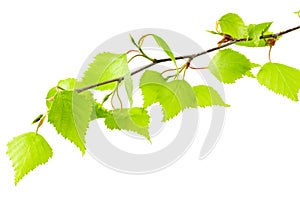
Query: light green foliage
point(228, 65)
point(128, 86)
point(281, 79)
point(208, 96)
point(105, 66)
point(27, 151)
point(70, 114)
point(233, 25)
point(67, 84)
point(131, 119)
point(255, 31)
point(162, 43)
point(174, 96)
point(100, 111)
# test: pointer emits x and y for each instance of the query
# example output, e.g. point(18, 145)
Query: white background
point(259, 152)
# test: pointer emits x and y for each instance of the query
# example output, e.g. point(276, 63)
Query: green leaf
point(105, 66)
point(131, 119)
point(133, 41)
point(70, 114)
point(27, 151)
point(100, 111)
point(255, 31)
point(281, 79)
point(228, 65)
point(174, 96)
point(110, 121)
point(208, 96)
point(250, 74)
point(233, 25)
point(67, 84)
point(163, 44)
point(128, 87)
point(297, 12)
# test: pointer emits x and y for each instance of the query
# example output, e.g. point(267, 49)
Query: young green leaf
point(208, 96)
point(27, 151)
point(228, 65)
point(174, 96)
point(281, 79)
point(133, 41)
point(255, 31)
point(163, 44)
point(70, 114)
point(131, 119)
point(128, 86)
point(233, 25)
point(105, 66)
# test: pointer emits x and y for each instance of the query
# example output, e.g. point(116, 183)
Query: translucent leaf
point(105, 66)
point(70, 114)
point(228, 65)
point(174, 96)
point(163, 44)
point(281, 79)
point(131, 119)
point(208, 96)
point(128, 87)
point(233, 25)
point(27, 151)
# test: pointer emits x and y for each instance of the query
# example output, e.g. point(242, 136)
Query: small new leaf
point(255, 31)
point(280, 79)
point(128, 86)
point(163, 44)
point(208, 96)
point(70, 114)
point(174, 96)
point(228, 65)
point(105, 66)
point(27, 151)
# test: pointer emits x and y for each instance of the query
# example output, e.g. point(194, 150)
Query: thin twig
point(192, 56)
